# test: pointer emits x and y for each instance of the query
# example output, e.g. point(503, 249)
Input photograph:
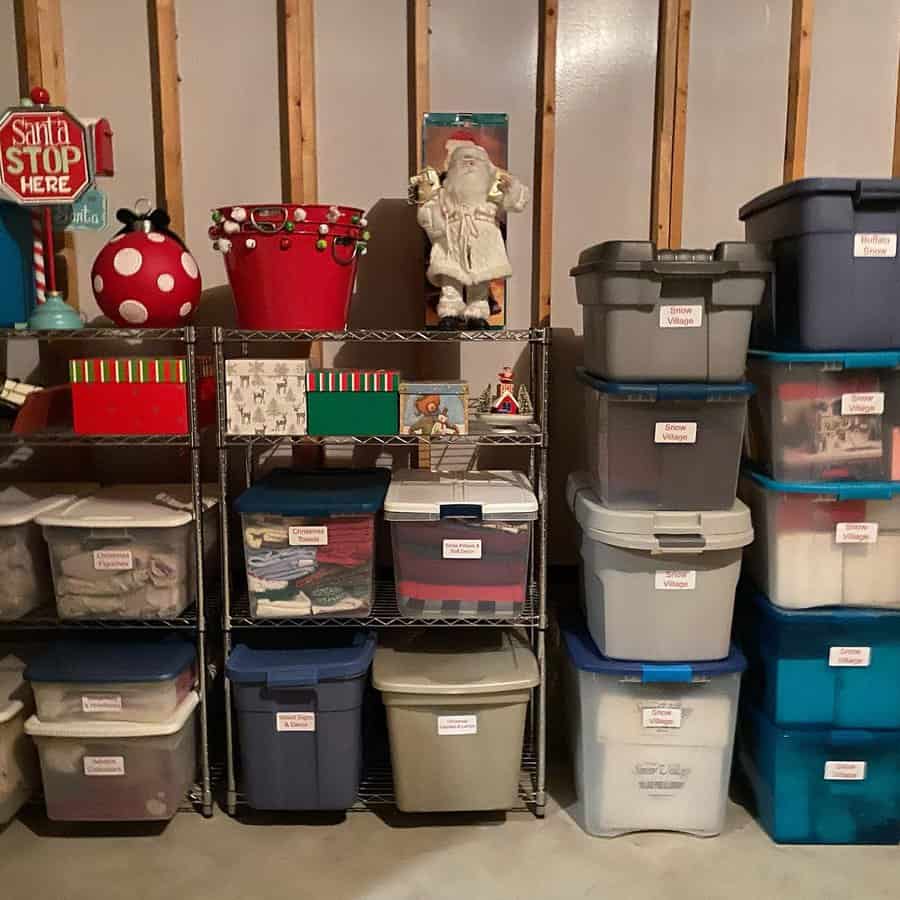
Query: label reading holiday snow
point(858, 657)
point(883, 246)
point(676, 580)
point(856, 532)
point(862, 404)
point(680, 316)
point(308, 535)
point(295, 721)
point(455, 549)
point(660, 717)
point(457, 725)
point(113, 561)
point(104, 765)
point(661, 779)
point(101, 703)
point(676, 433)
point(845, 771)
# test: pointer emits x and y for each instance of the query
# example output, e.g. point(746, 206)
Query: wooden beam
point(418, 85)
point(679, 130)
point(544, 159)
point(798, 89)
point(165, 90)
point(895, 164)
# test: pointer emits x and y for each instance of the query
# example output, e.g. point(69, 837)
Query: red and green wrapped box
point(137, 395)
point(352, 401)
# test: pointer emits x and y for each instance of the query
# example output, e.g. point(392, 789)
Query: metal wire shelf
point(69, 439)
point(94, 334)
point(531, 335)
point(46, 617)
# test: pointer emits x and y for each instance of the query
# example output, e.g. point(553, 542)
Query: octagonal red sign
point(43, 156)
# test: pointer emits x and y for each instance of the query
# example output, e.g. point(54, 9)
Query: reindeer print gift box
point(266, 396)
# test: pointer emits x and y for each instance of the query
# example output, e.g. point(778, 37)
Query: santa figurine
point(459, 215)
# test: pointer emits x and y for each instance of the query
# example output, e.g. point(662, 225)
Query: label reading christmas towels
point(871, 404)
point(856, 532)
point(460, 549)
point(843, 770)
point(676, 433)
point(680, 316)
point(308, 535)
point(113, 561)
point(875, 245)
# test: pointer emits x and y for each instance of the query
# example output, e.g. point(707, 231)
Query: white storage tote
point(18, 760)
point(652, 743)
point(658, 585)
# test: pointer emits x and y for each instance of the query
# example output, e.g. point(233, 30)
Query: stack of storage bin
point(819, 731)
point(652, 675)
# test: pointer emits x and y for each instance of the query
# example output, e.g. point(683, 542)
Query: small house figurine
point(509, 404)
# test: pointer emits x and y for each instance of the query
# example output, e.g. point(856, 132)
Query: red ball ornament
point(145, 277)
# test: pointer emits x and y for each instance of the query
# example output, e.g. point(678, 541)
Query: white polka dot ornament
point(145, 277)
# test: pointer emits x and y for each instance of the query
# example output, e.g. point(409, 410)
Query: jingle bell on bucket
point(291, 268)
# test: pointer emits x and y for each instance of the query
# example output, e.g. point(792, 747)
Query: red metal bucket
point(291, 267)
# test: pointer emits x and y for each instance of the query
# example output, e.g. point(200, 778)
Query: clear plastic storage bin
point(128, 552)
point(652, 742)
point(117, 771)
point(825, 416)
point(658, 585)
point(309, 542)
point(828, 544)
point(665, 446)
point(112, 681)
point(461, 542)
point(19, 775)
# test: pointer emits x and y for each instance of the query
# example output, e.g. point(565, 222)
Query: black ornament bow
point(158, 219)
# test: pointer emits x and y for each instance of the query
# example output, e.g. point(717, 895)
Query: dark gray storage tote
point(300, 721)
point(669, 315)
point(837, 275)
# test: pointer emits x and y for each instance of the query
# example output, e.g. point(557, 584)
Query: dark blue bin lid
point(349, 657)
point(323, 492)
point(869, 189)
point(98, 661)
point(874, 359)
point(842, 490)
point(834, 616)
point(584, 654)
point(665, 391)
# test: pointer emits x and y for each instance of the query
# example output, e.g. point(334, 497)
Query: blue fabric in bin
point(664, 391)
point(322, 492)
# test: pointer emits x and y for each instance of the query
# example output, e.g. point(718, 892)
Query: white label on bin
point(874, 244)
point(871, 404)
point(676, 433)
point(104, 765)
point(113, 561)
point(295, 721)
point(856, 533)
point(457, 725)
point(680, 316)
point(661, 717)
point(841, 770)
point(308, 535)
point(101, 703)
point(454, 549)
point(860, 657)
point(680, 580)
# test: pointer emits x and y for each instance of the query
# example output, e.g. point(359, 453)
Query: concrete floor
point(365, 856)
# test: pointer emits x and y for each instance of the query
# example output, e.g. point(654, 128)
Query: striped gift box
point(353, 380)
point(134, 370)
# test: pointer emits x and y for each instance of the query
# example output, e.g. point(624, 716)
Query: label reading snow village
point(680, 316)
point(871, 404)
point(856, 533)
point(676, 433)
point(676, 580)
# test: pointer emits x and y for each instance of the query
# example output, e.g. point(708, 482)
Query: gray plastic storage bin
point(669, 315)
point(834, 243)
point(665, 446)
point(300, 721)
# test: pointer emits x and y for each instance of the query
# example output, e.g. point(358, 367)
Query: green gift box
point(352, 401)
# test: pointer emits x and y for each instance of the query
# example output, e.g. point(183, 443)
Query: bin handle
point(461, 511)
point(268, 227)
point(343, 241)
point(292, 677)
point(874, 191)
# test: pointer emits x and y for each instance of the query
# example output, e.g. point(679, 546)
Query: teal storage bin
point(836, 668)
point(825, 786)
point(16, 277)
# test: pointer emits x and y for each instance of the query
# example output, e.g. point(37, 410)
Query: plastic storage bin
point(309, 541)
point(24, 564)
point(834, 244)
point(652, 743)
point(825, 416)
point(834, 669)
point(117, 771)
point(300, 721)
point(665, 446)
point(18, 759)
point(125, 553)
point(461, 542)
point(106, 681)
point(669, 315)
point(829, 544)
point(456, 716)
point(821, 786)
point(658, 585)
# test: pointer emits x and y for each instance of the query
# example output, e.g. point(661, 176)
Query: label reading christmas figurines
point(113, 561)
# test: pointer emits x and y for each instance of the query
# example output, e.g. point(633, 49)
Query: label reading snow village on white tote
point(681, 580)
point(841, 770)
point(676, 433)
point(457, 725)
point(308, 535)
point(113, 561)
point(856, 532)
point(104, 765)
point(101, 703)
point(871, 404)
point(295, 721)
point(680, 316)
point(857, 657)
point(874, 244)
point(660, 717)
point(454, 549)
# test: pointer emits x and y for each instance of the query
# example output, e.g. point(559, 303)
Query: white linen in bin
point(18, 760)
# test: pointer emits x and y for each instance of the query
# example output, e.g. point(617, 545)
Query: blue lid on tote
point(321, 492)
point(857, 359)
point(842, 490)
point(665, 391)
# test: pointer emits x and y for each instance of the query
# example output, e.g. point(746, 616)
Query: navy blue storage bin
point(16, 274)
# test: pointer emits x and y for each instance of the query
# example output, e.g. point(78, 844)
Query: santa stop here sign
point(43, 156)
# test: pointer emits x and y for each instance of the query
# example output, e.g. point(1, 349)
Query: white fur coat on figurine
point(467, 249)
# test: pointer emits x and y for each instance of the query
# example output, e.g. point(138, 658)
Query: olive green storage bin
point(352, 402)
